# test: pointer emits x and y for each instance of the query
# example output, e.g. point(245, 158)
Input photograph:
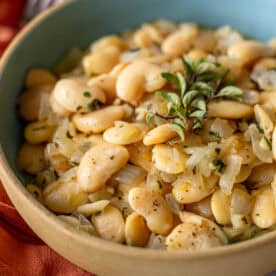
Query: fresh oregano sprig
point(201, 82)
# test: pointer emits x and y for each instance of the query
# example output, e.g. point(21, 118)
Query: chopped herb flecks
point(95, 104)
point(219, 165)
point(87, 94)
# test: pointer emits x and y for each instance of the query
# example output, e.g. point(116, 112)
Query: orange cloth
point(22, 253)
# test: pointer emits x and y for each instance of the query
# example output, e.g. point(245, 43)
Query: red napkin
point(23, 253)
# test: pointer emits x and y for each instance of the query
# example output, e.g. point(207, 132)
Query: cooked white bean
point(98, 164)
point(195, 233)
point(264, 210)
point(38, 77)
point(153, 207)
point(64, 197)
point(147, 35)
point(100, 195)
point(99, 120)
point(72, 95)
point(263, 119)
point(159, 135)
point(110, 224)
point(92, 208)
point(273, 186)
point(169, 159)
point(220, 204)
point(205, 41)
point(244, 173)
point(196, 54)
point(31, 158)
point(261, 175)
point(187, 217)
point(136, 230)
point(189, 189)
point(30, 101)
point(136, 78)
point(107, 41)
point(241, 203)
point(274, 143)
point(125, 133)
point(201, 208)
point(179, 42)
point(38, 132)
point(101, 61)
point(229, 109)
point(268, 98)
point(140, 155)
point(106, 83)
point(248, 51)
point(192, 237)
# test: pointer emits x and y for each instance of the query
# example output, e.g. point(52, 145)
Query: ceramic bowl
point(76, 23)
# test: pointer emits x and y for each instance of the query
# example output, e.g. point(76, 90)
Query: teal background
point(81, 21)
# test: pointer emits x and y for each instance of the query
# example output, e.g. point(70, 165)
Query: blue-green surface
point(84, 20)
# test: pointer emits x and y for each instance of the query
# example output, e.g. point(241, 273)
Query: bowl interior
point(81, 21)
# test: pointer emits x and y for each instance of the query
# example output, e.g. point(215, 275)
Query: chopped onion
point(44, 108)
point(64, 144)
point(157, 242)
point(251, 97)
point(167, 177)
point(261, 175)
point(129, 56)
point(222, 127)
point(197, 154)
point(79, 223)
point(129, 177)
point(69, 175)
point(226, 37)
point(122, 205)
point(240, 202)
point(256, 137)
point(174, 205)
point(265, 79)
point(228, 178)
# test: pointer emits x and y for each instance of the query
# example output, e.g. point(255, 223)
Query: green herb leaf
point(159, 184)
point(197, 124)
point(173, 79)
point(95, 104)
point(230, 92)
point(170, 97)
point(179, 130)
point(261, 130)
point(149, 117)
point(215, 134)
point(265, 143)
point(199, 103)
point(206, 67)
point(202, 86)
point(209, 76)
point(190, 96)
point(200, 114)
point(87, 94)
point(187, 67)
point(182, 84)
point(219, 165)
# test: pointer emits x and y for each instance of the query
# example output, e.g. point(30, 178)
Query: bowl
point(76, 23)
